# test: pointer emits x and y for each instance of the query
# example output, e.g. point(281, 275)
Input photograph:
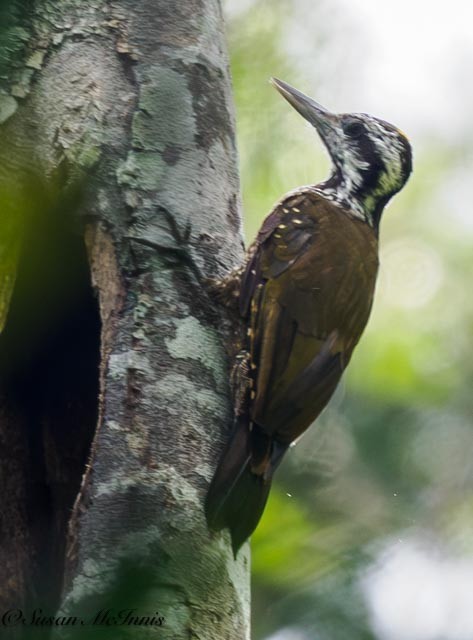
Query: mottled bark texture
point(132, 390)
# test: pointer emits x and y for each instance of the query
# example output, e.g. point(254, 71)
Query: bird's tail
point(239, 489)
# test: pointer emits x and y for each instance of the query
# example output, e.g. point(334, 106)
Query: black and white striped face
point(372, 159)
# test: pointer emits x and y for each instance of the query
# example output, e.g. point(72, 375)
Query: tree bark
point(135, 95)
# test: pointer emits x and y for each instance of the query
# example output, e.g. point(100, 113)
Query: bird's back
point(312, 275)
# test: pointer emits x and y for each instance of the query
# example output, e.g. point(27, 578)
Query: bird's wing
point(284, 236)
point(297, 357)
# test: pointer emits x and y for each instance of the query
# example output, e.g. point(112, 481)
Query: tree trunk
point(113, 417)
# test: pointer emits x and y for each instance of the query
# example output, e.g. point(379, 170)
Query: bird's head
point(372, 159)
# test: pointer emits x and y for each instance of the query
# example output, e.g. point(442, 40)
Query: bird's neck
point(346, 192)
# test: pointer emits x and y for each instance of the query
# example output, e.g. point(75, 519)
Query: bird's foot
point(226, 290)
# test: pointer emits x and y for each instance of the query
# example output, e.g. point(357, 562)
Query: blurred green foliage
point(392, 453)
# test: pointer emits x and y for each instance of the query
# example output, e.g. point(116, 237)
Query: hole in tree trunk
point(49, 388)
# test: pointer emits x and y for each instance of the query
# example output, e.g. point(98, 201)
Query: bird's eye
point(353, 129)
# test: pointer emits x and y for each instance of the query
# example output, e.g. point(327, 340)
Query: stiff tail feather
point(238, 492)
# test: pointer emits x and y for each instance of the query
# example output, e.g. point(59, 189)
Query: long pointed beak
point(322, 119)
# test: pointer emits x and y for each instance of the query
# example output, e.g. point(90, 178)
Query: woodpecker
point(305, 293)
